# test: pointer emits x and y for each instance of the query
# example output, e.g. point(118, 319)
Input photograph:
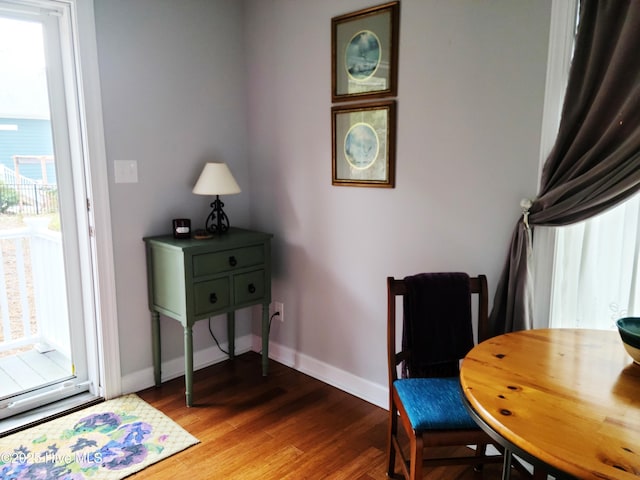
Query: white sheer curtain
point(596, 273)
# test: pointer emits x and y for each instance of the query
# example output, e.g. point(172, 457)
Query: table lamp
point(216, 179)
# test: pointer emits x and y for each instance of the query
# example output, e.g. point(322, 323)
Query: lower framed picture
point(363, 141)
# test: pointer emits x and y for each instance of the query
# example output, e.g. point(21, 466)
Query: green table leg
point(155, 346)
point(231, 333)
point(265, 339)
point(188, 364)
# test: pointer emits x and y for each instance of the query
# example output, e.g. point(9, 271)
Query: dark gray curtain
point(595, 162)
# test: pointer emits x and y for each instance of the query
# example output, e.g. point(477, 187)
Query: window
point(597, 269)
point(586, 274)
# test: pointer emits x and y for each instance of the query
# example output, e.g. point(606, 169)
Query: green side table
point(190, 280)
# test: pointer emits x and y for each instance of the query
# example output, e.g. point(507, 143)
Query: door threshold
point(39, 415)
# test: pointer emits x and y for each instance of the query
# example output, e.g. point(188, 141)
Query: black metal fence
point(25, 199)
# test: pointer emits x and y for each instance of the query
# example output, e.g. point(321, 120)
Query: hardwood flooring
point(286, 426)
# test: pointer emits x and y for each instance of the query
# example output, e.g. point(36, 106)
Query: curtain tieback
point(525, 204)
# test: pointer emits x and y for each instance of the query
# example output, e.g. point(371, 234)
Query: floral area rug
point(110, 440)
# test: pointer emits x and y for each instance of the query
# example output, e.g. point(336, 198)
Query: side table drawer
point(216, 262)
point(211, 296)
point(248, 286)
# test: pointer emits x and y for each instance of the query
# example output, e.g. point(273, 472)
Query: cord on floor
point(275, 314)
point(216, 340)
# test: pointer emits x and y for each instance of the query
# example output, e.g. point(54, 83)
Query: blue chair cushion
point(434, 403)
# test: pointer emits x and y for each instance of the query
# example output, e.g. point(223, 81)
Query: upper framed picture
point(364, 53)
point(363, 140)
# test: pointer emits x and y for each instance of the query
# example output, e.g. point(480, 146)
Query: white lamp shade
point(216, 179)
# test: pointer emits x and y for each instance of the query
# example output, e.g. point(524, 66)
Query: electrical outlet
point(279, 307)
point(274, 312)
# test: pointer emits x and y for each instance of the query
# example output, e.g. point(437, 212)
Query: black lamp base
point(217, 221)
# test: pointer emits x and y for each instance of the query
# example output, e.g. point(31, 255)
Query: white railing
point(33, 299)
point(30, 197)
point(10, 176)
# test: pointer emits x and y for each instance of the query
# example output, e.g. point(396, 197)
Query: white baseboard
point(366, 390)
point(174, 368)
point(359, 387)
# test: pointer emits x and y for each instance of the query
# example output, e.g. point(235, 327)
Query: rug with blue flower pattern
point(110, 440)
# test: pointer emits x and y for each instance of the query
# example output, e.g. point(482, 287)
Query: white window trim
point(561, 40)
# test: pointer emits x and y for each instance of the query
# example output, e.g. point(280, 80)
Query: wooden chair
point(418, 420)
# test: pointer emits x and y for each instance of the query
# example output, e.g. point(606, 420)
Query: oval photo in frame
point(362, 56)
point(361, 146)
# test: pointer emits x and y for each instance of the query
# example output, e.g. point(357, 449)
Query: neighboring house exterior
point(31, 138)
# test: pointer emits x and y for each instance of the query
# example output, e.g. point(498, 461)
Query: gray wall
point(173, 93)
point(471, 87)
point(248, 82)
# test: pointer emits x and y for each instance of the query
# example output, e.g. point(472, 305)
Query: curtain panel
point(596, 274)
point(595, 161)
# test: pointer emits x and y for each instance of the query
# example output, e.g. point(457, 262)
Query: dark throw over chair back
point(426, 395)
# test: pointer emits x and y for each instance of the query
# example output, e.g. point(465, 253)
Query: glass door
point(47, 316)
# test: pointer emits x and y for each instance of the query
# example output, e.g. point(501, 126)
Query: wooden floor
point(286, 426)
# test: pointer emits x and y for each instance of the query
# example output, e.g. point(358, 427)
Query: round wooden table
point(565, 399)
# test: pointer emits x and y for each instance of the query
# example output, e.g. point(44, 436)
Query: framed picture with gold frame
point(364, 53)
point(363, 142)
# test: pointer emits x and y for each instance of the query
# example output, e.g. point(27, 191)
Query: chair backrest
point(398, 288)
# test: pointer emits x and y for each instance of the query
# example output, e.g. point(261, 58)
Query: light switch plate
point(125, 171)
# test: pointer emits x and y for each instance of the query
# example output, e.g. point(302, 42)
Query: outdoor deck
point(34, 338)
point(26, 370)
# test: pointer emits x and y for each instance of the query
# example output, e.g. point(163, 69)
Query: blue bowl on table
point(629, 329)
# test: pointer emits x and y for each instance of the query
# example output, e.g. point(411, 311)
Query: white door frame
point(98, 187)
point(87, 151)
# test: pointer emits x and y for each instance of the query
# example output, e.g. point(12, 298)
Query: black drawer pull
point(252, 288)
point(232, 261)
point(213, 298)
